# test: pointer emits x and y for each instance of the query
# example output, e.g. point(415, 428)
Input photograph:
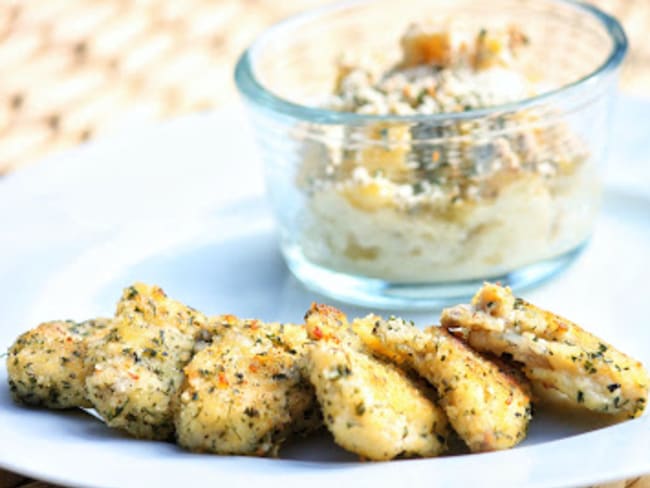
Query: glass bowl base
point(384, 295)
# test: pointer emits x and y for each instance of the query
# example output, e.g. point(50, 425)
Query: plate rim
point(224, 117)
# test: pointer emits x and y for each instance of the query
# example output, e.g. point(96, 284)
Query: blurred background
point(74, 70)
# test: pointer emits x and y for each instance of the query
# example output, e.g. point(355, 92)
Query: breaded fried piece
point(559, 357)
point(371, 408)
point(489, 408)
point(46, 364)
point(138, 367)
point(244, 393)
point(150, 304)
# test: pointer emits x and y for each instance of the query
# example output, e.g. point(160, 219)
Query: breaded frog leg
point(559, 357)
point(46, 364)
point(371, 407)
point(489, 408)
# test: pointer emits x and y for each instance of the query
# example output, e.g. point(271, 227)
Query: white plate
point(179, 205)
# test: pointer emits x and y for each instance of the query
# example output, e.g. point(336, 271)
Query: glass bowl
point(358, 227)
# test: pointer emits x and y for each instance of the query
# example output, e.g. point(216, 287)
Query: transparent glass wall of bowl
point(298, 60)
point(379, 211)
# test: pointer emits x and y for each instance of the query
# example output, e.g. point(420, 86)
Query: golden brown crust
point(150, 304)
point(371, 407)
point(489, 408)
point(558, 356)
point(137, 367)
point(46, 364)
point(244, 393)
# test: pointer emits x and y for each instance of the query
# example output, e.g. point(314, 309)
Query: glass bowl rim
point(252, 89)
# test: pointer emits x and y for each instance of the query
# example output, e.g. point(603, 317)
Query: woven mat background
point(73, 70)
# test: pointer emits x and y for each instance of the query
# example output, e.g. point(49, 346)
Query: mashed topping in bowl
point(446, 199)
point(440, 72)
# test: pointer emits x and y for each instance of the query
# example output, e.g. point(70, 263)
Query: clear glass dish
point(355, 225)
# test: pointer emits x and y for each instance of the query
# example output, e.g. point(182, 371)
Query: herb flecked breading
point(371, 407)
point(244, 393)
point(162, 370)
point(46, 364)
point(137, 367)
point(563, 361)
point(488, 407)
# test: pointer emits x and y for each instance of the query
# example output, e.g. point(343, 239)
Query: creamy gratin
point(424, 200)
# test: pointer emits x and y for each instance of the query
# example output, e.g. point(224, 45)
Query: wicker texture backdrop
point(76, 69)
